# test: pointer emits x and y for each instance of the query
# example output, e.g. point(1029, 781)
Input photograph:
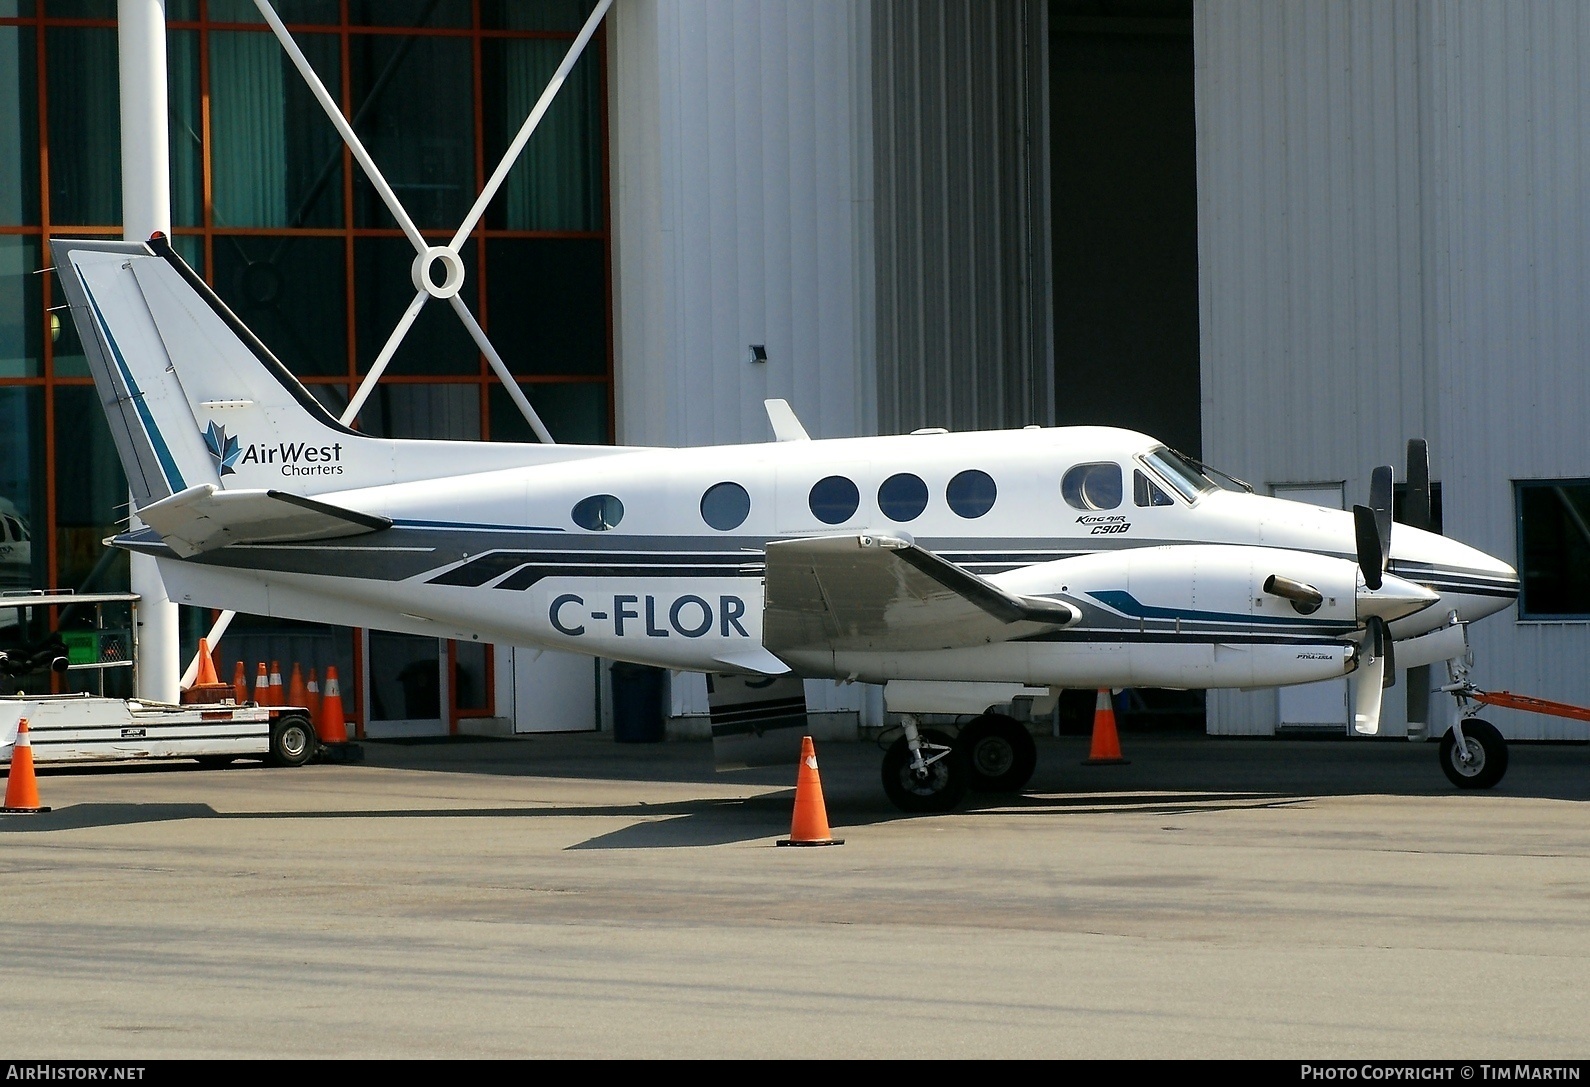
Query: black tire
point(1487, 752)
point(1000, 754)
point(293, 740)
point(944, 785)
point(216, 762)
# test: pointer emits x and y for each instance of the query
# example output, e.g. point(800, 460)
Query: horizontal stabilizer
point(205, 518)
point(885, 593)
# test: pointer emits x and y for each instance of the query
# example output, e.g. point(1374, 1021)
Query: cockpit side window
point(1145, 492)
point(1092, 486)
point(1187, 480)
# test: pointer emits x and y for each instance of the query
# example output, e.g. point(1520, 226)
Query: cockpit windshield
point(1189, 477)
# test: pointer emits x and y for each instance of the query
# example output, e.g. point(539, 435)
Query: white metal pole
point(146, 208)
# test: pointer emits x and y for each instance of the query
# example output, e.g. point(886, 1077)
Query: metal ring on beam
point(453, 272)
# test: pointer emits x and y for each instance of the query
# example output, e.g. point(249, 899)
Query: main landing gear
point(926, 770)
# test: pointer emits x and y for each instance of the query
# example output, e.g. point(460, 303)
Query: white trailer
point(84, 728)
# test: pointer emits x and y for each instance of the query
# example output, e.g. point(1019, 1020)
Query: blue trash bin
point(638, 703)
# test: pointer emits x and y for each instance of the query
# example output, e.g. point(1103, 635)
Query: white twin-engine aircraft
point(960, 571)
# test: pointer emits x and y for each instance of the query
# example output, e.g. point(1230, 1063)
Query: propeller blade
point(1371, 556)
point(1371, 677)
point(1416, 503)
point(1372, 527)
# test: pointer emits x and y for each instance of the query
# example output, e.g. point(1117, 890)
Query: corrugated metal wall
point(1510, 304)
point(1393, 243)
point(742, 175)
point(960, 108)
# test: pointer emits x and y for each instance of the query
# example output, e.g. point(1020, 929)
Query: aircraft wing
point(882, 592)
point(204, 518)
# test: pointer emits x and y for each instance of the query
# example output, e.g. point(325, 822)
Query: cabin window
point(903, 497)
point(834, 500)
point(1092, 486)
point(725, 506)
point(1553, 548)
point(971, 493)
point(1145, 492)
point(598, 513)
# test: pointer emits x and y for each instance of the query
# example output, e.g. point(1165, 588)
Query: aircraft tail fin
point(179, 377)
point(195, 400)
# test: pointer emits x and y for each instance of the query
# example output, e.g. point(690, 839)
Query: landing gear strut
point(924, 770)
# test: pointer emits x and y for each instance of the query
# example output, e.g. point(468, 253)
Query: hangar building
point(1284, 237)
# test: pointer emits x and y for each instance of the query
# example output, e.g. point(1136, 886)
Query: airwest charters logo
point(292, 458)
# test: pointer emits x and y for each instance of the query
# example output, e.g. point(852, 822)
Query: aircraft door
point(1322, 705)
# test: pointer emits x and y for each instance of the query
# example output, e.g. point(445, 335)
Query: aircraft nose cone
point(1395, 598)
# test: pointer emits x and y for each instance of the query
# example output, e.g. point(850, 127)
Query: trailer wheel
point(293, 740)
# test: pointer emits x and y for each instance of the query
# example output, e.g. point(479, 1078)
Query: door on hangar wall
point(1125, 217)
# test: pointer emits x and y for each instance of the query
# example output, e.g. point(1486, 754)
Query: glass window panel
point(21, 307)
point(834, 499)
point(80, 9)
point(275, 158)
point(292, 293)
point(576, 414)
point(903, 497)
point(469, 676)
point(182, 11)
point(431, 13)
point(19, 127)
point(725, 506)
point(90, 493)
point(10, 9)
point(183, 111)
point(422, 411)
point(24, 555)
point(405, 677)
point(85, 126)
point(556, 184)
point(190, 247)
point(291, 11)
point(1554, 548)
point(437, 342)
point(413, 98)
point(535, 14)
point(547, 300)
point(971, 493)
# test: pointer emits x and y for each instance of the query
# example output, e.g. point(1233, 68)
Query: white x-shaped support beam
point(427, 256)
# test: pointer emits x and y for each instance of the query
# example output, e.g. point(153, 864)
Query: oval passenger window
point(834, 500)
point(598, 513)
point(725, 506)
point(971, 493)
point(1092, 486)
point(903, 497)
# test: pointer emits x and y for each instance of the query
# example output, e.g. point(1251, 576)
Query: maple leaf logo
point(223, 449)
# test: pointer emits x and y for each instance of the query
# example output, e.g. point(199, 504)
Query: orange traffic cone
point(275, 694)
point(312, 697)
point(297, 693)
point(207, 676)
point(240, 683)
point(810, 825)
point(332, 726)
point(22, 791)
point(262, 685)
point(1106, 745)
point(207, 686)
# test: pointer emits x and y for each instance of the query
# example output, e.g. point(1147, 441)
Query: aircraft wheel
point(942, 786)
point(293, 741)
point(1487, 755)
point(1000, 754)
